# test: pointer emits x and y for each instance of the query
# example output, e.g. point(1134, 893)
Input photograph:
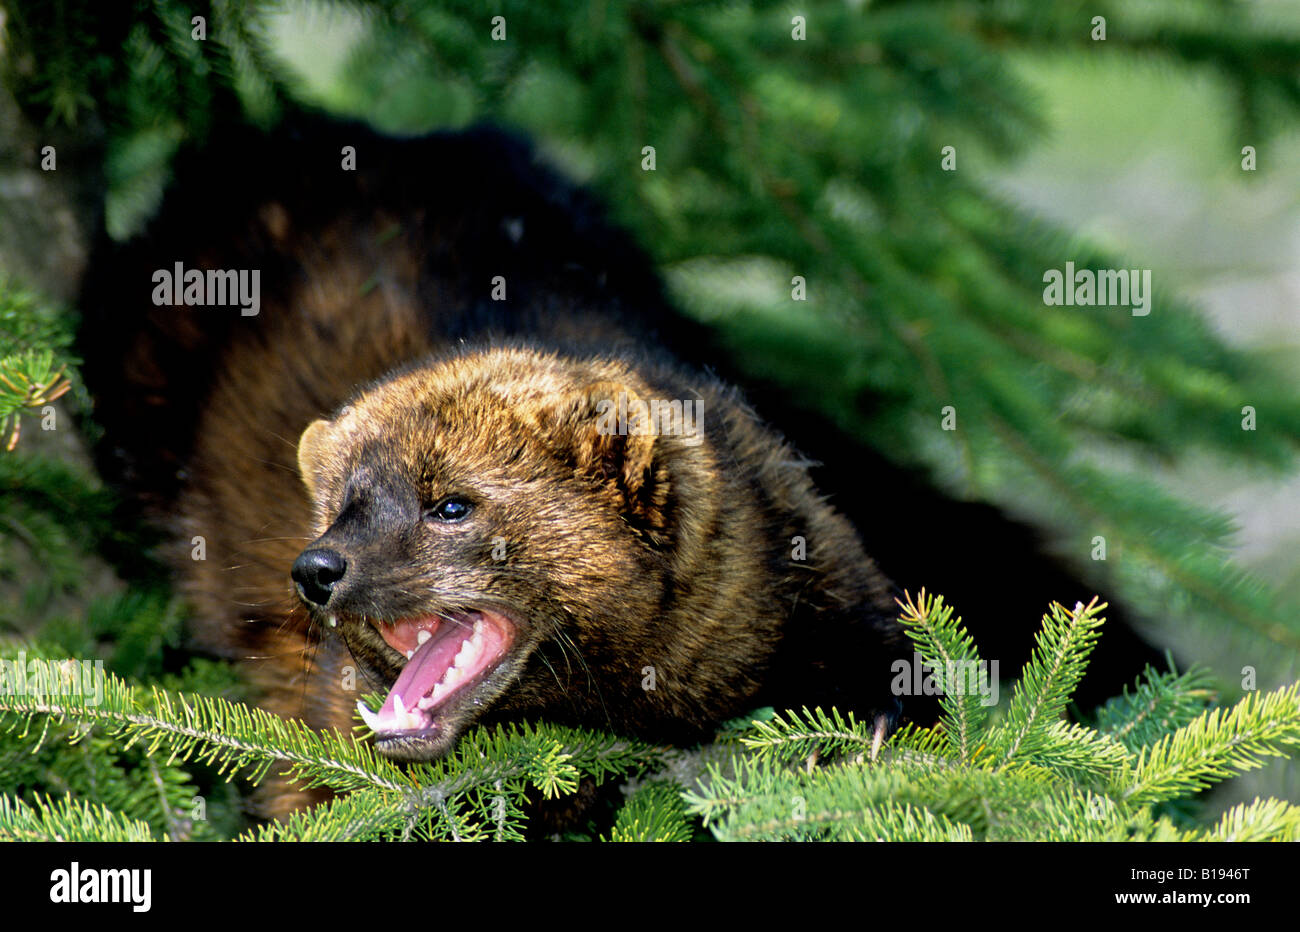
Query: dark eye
point(451, 508)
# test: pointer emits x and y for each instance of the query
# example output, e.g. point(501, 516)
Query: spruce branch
point(804, 776)
point(922, 745)
point(1259, 820)
point(28, 381)
point(655, 812)
point(35, 365)
point(848, 802)
point(1035, 776)
point(67, 819)
point(477, 792)
point(551, 758)
point(790, 738)
point(1044, 688)
point(949, 651)
point(1217, 744)
point(1159, 704)
point(1080, 754)
point(760, 791)
point(231, 736)
point(363, 815)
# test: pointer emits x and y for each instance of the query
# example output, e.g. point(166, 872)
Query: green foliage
point(655, 812)
point(1030, 776)
point(1046, 683)
point(359, 816)
point(66, 819)
point(1217, 744)
point(1161, 703)
point(1262, 820)
point(815, 775)
point(477, 792)
point(962, 708)
point(34, 357)
point(28, 324)
point(55, 518)
point(92, 768)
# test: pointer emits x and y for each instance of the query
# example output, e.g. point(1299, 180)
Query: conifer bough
point(1023, 773)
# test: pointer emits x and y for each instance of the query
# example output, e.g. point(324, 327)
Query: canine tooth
point(406, 719)
point(334, 621)
point(410, 654)
point(478, 626)
point(370, 718)
point(422, 637)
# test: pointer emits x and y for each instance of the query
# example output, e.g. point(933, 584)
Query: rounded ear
point(615, 439)
point(608, 434)
point(309, 449)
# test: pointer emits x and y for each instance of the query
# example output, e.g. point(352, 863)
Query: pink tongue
point(427, 665)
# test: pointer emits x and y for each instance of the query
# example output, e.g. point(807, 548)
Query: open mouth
point(446, 656)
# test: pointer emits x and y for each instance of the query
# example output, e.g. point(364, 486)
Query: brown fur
point(622, 551)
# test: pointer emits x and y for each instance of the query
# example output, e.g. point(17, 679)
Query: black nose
point(316, 572)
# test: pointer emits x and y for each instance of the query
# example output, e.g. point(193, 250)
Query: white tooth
point(370, 718)
point(410, 654)
point(422, 637)
point(398, 707)
point(452, 677)
point(334, 621)
point(478, 625)
point(438, 692)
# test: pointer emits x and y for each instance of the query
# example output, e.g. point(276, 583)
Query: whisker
point(563, 637)
point(541, 655)
point(309, 654)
